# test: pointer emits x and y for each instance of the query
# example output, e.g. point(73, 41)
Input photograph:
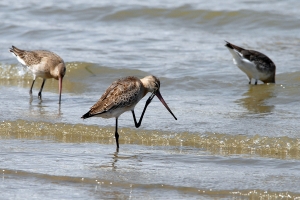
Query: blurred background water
point(231, 139)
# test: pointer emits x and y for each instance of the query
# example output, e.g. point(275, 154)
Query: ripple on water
point(217, 143)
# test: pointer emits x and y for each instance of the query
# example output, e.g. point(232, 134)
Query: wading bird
point(123, 95)
point(44, 64)
point(255, 64)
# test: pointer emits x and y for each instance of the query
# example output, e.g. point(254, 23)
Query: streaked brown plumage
point(123, 95)
point(42, 63)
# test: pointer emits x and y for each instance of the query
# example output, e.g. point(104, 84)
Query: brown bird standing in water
point(123, 95)
point(42, 63)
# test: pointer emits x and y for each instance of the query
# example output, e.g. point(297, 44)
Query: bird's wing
point(262, 62)
point(121, 93)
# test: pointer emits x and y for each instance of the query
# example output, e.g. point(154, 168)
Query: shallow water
point(231, 139)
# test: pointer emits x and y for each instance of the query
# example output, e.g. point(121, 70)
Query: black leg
point(141, 118)
point(30, 91)
point(40, 92)
point(255, 81)
point(249, 80)
point(117, 134)
point(135, 123)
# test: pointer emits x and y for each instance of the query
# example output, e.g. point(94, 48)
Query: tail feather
point(16, 51)
point(19, 54)
point(232, 46)
point(228, 45)
point(90, 114)
point(87, 115)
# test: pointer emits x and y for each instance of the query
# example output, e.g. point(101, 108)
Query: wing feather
point(121, 93)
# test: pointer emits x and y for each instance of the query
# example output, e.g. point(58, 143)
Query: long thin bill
point(164, 103)
point(59, 88)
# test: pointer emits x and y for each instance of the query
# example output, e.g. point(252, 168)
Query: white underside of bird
point(248, 67)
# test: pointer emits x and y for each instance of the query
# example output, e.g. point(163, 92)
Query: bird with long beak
point(42, 63)
point(123, 95)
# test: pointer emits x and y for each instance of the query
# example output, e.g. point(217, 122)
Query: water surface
point(231, 139)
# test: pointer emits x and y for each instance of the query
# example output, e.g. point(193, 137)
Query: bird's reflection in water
point(59, 114)
point(115, 159)
point(44, 110)
point(255, 100)
point(30, 99)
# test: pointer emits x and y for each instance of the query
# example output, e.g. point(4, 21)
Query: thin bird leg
point(40, 92)
point(117, 134)
point(146, 105)
point(30, 91)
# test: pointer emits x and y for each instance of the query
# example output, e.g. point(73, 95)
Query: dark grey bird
point(254, 64)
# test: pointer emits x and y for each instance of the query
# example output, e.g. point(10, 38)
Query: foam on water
point(224, 144)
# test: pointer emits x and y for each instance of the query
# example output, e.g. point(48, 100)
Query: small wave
point(106, 183)
point(13, 72)
point(238, 18)
point(80, 76)
point(74, 70)
point(225, 144)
